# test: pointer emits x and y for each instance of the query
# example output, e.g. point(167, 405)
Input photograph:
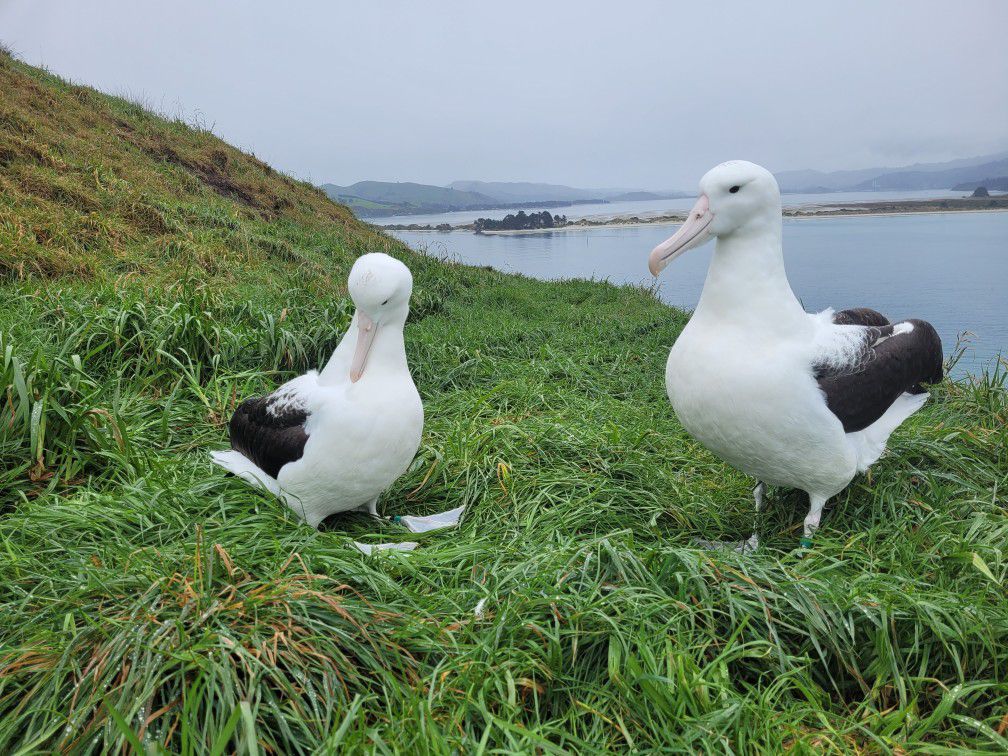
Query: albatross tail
point(237, 463)
point(871, 442)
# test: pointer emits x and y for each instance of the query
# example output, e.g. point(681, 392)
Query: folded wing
point(270, 430)
point(868, 363)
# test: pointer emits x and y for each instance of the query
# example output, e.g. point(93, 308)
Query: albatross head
point(733, 196)
point(380, 287)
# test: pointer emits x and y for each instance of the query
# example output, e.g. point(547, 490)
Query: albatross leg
point(371, 508)
point(752, 543)
point(816, 504)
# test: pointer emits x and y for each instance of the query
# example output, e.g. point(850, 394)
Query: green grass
point(150, 602)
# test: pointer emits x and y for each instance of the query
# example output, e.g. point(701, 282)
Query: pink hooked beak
point(366, 329)
point(692, 233)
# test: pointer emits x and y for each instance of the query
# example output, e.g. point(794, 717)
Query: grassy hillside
point(151, 275)
point(90, 183)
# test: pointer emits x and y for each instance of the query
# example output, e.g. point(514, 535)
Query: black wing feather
point(863, 316)
point(887, 365)
point(269, 437)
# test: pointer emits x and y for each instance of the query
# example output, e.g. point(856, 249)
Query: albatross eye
point(734, 189)
point(384, 303)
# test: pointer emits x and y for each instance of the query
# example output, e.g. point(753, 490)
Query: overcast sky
point(630, 94)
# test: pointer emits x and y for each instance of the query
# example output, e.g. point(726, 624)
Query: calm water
point(651, 208)
point(950, 269)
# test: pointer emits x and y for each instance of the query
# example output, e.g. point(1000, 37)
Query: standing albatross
point(332, 441)
point(791, 398)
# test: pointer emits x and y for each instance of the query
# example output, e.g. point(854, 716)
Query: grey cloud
point(636, 94)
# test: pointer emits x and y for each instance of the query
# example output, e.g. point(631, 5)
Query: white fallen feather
point(371, 548)
point(478, 611)
point(437, 521)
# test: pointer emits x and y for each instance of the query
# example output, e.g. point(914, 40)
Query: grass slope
point(149, 602)
point(92, 183)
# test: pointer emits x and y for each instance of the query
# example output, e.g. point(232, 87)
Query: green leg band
point(805, 543)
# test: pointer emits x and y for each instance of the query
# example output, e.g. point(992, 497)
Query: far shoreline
point(806, 212)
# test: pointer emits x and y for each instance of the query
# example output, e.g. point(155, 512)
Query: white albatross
point(332, 441)
point(791, 398)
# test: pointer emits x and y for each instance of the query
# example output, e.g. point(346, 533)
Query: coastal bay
point(951, 265)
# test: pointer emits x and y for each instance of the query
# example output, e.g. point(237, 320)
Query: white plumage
point(336, 439)
point(791, 398)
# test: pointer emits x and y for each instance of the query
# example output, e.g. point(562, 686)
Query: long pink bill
point(366, 329)
point(692, 233)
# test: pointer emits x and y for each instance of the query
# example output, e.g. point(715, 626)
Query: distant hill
point(383, 198)
point(999, 184)
point(530, 192)
point(946, 179)
point(526, 191)
point(644, 196)
point(392, 198)
point(917, 176)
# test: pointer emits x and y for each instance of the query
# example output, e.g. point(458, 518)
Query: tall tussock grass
point(152, 600)
point(62, 378)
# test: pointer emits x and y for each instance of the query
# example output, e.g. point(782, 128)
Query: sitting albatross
point(791, 398)
point(332, 441)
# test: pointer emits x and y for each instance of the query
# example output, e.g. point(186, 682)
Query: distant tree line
point(520, 221)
